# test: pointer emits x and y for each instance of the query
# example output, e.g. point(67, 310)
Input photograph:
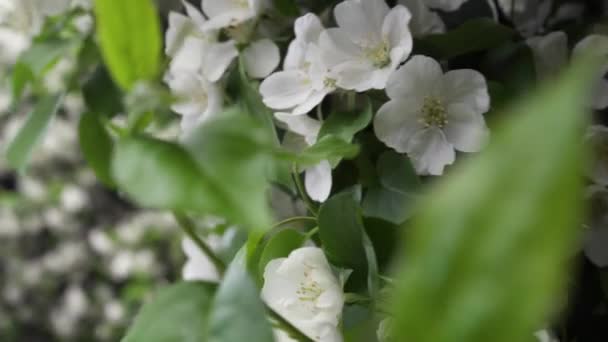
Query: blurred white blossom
point(598, 45)
point(424, 20)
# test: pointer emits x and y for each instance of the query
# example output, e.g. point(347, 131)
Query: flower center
point(330, 83)
point(433, 113)
point(242, 3)
point(309, 290)
point(379, 55)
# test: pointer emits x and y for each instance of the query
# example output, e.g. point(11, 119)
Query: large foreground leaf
point(488, 250)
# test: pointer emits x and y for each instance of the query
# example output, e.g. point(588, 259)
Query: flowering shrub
point(356, 170)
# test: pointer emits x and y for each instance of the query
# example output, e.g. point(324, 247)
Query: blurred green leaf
point(486, 253)
point(130, 39)
point(159, 174)
point(341, 232)
point(20, 149)
point(238, 312)
point(280, 245)
point(473, 36)
point(233, 152)
point(177, 313)
point(96, 145)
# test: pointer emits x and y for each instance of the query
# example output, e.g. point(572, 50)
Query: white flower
point(544, 336)
point(261, 58)
point(317, 179)
point(550, 53)
point(598, 45)
point(424, 20)
point(198, 99)
point(228, 13)
point(597, 137)
point(303, 289)
point(431, 114)
point(305, 79)
point(194, 50)
point(446, 5)
point(198, 266)
point(529, 17)
point(371, 41)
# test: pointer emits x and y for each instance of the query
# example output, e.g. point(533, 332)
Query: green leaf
point(394, 198)
point(20, 149)
point(178, 313)
point(130, 39)
point(287, 7)
point(101, 94)
point(473, 36)
point(233, 152)
point(238, 312)
point(486, 253)
point(341, 232)
point(330, 147)
point(397, 173)
point(280, 245)
point(162, 175)
point(346, 124)
point(96, 145)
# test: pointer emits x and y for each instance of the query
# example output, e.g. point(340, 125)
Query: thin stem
point(293, 219)
point(189, 228)
point(302, 192)
point(286, 326)
point(312, 232)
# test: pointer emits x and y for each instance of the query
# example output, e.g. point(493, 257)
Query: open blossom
point(317, 179)
point(303, 289)
point(597, 44)
point(369, 44)
point(197, 98)
point(424, 20)
point(305, 79)
point(431, 114)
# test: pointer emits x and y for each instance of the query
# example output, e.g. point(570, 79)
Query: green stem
point(189, 228)
point(302, 192)
point(293, 219)
point(286, 326)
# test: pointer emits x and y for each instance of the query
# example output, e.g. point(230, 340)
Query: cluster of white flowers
point(200, 59)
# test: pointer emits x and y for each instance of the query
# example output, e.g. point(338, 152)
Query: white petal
point(189, 58)
point(417, 78)
point(179, 25)
point(355, 75)
point(308, 28)
point(228, 19)
point(301, 124)
point(315, 98)
point(355, 22)
point(261, 58)
point(295, 57)
point(430, 152)
point(550, 53)
point(214, 8)
point(396, 28)
point(376, 11)
point(285, 89)
point(318, 181)
point(466, 130)
point(337, 47)
point(397, 121)
point(196, 15)
point(198, 265)
point(217, 59)
point(465, 87)
point(424, 21)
